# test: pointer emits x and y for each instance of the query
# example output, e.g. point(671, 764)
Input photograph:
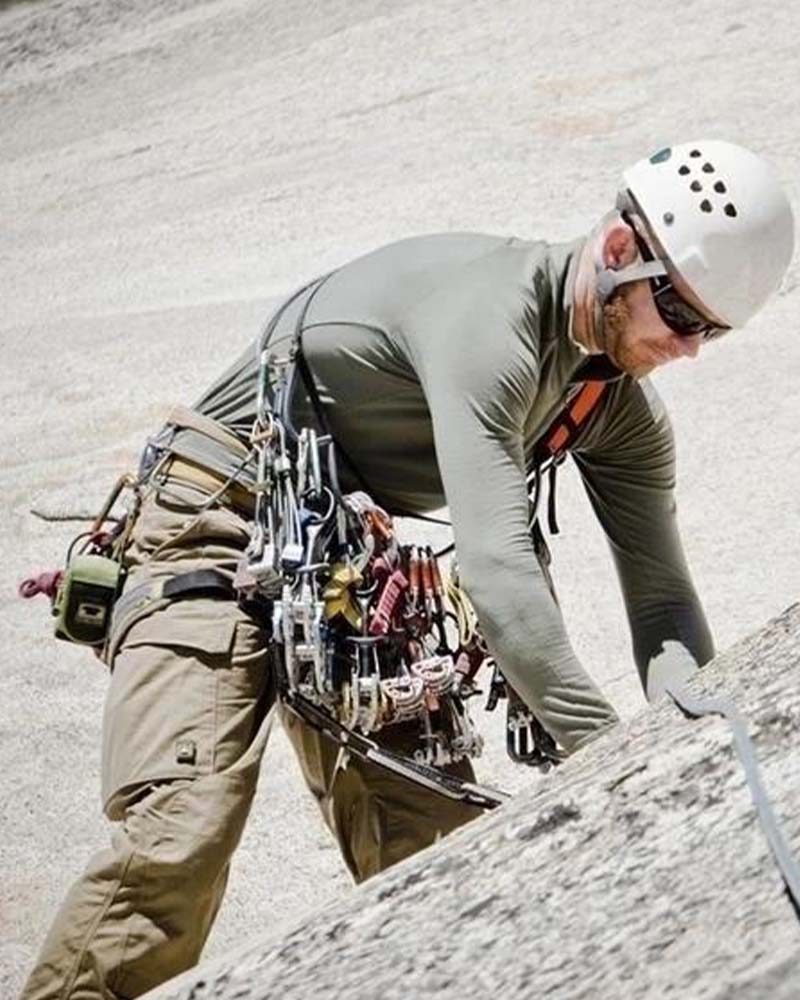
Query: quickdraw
point(361, 621)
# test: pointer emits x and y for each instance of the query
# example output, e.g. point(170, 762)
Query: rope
point(466, 618)
point(57, 516)
point(694, 708)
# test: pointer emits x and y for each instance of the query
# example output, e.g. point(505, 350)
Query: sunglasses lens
point(679, 316)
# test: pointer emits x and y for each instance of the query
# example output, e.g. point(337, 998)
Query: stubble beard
point(617, 337)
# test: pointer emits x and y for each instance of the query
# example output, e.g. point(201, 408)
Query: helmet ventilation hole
point(695, 152)
point(684, 170)
point(720, 188)
point(730, 209)
point(708, 168)
point(706, 206)
point(696, 186)
point(669, 218)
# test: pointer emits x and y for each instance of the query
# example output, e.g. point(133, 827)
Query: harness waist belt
point(181, 470)
point(185, 418)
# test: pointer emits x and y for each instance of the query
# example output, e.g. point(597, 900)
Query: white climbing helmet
point(723, 220)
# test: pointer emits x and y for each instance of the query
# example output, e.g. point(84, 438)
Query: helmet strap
point(608, 280)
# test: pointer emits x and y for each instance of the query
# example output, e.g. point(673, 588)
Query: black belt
point(199, 582)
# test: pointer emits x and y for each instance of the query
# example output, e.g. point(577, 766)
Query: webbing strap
point(694, 708)
point(552, 447)
point(562, 432)
point(184, 418)
point(143, 599)
point(207, 582)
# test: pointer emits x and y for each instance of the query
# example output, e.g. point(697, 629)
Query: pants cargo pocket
point(188, 690)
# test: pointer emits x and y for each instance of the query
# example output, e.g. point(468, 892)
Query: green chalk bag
point(85, 599)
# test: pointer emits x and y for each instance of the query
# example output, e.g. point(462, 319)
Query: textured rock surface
point(638, 870)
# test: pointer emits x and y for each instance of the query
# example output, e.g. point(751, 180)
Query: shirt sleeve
point(627, 461)
point(479, 371)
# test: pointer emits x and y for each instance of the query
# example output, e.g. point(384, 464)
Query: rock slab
point(637, 870)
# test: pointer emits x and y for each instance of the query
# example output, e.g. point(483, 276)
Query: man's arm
point(479, 380)
point(627, 460)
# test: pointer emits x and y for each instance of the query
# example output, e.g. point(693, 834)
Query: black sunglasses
point(675, 312)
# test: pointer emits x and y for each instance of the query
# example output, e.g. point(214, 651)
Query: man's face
point(636, 338)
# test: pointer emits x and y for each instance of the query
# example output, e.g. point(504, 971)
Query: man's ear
point(619, 246)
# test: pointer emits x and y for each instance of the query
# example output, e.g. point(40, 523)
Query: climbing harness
point(364, 632)
point(694, 708)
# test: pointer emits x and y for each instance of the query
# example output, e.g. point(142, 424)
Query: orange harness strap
point(553, 445)
point(564, 429)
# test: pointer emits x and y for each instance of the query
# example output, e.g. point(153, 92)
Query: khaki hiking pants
point(189, 707)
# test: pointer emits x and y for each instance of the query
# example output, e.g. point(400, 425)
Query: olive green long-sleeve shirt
point(440, 360)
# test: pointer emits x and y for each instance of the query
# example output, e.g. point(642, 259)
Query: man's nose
point(691, 345)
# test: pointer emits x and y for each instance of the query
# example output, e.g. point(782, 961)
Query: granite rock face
point(637, 870)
